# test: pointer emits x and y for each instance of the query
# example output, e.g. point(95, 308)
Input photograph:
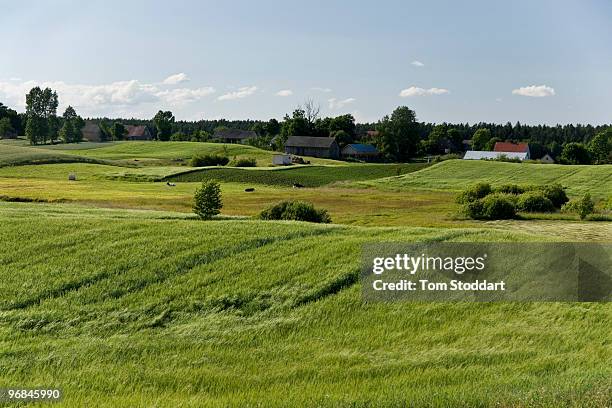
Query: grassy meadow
point(115, 292)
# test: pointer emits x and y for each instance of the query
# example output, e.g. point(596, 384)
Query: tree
point(118, 131)
point(311, 111)
point(296, 125)
point(6, 127)
point(480, 139)
point(72, 125)
point(342, 138)
point(14, 120)
point(398, 134)
point(163, 122)
point(345, 123)
point(491, 143)
point(455, 138)
point(575, 153)
point(207, 200)
point(273, 127)
point(41, 112)
point(600, 147)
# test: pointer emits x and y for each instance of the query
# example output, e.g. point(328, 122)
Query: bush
point(245, 162)
point(201, 160)
point(207, 200)
point(582, 206)
point(534, 201)
point(497, 207)
point(295, 210)
point(556, 194)
point(474, 193)
point(510, 189)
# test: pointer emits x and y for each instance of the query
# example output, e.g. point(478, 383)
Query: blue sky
point(536, 61)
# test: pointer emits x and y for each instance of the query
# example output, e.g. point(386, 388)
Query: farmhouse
point(234, 135)
point(325, 147)
point(547, 159)
point(92, 132)
point(360, 151)
point(507, 147)
point(138, 133)
point(486, 155)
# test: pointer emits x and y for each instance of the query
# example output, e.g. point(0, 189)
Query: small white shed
point(281, 159)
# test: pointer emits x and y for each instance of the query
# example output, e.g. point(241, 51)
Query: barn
point(360, 151)
point(508, 147)
point(138, 133)
point(234, 135)
point(486, 155)
point(324, 147)
point(91, 132)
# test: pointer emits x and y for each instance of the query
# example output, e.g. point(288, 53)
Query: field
point(115, 292)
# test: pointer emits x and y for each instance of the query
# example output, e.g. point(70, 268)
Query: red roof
point(511, 147)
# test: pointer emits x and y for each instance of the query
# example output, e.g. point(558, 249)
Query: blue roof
point(364, 148)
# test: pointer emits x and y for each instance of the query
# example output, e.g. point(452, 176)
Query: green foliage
point(534, 201)
point(510, 189)
point(6, 127)
point(575, 153)
point(202, 160)
point(497, 207)
point(71, 128)
point(582, 206)
point(163, 123)
point(41, 113)
point(118, 131)
point(207, 200)
point(555, 193)
point(398, 134)
point(245, 162)
point(473, 193)
point(480, 139)
point(296, 211)
point(600, 147)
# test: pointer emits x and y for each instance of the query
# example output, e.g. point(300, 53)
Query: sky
point(533, 61)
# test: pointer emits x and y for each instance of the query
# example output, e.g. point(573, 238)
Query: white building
point(486, 155)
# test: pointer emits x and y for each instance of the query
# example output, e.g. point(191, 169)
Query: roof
point(511, 147)
point(362, 148)
point(237, 134)
point(136, 131)
point(310, 141)
point(480, 155)
point(91, 127)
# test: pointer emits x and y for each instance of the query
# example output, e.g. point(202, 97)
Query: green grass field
point(125, 308)
point(115, 292)
point(309, 176)
point(455, 175)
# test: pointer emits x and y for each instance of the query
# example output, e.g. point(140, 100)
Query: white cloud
point(239, 94)
point(417, 64)
point(338, 104)
point(102, 98)
point(176, 79)
point(534, 91)
point(184, 95)
point(416, 91)
point(319, 89)
point(284, 92)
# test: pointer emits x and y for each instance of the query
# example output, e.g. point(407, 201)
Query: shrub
point(201, 160)
point(295, 210)
point(510, 189)
point(474, 193)
point(556, 194)
point(534, 201)
point(207, 200)
point(497, 207)
point(582, 206)
point(245, 162)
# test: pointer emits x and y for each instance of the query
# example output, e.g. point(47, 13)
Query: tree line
point(399, 136)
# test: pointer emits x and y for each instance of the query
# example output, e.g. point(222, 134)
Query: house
point(91, 132)
point(547, 158)
point(486, 155)
point(507, 147)
point(360, 151)
point(138, 133)
point(281, 159)
point(325, 147)
point(234, 135)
